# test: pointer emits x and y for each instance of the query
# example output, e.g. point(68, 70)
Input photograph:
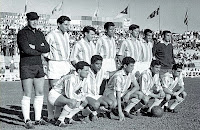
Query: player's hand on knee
point(175, 94)
point(162, 94)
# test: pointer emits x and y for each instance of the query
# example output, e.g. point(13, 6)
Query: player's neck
point(94, 71)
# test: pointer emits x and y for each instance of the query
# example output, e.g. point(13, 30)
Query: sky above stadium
point(172, 12)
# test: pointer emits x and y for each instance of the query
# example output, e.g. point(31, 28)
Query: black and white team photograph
point(99, 64)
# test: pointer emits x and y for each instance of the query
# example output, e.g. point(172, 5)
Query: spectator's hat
point(32, 16)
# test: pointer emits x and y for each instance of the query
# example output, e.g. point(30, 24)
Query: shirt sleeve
point(98, 46)
point(76, 54)
point(144, 84)
point(23, 45)
point(118, 83)
point(181, 83)
point(165, 82)
point(154, 49)
point(50, 42)
point(44, 46)
point(122, 49)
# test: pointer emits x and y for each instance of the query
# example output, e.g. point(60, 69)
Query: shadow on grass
point(10, 113)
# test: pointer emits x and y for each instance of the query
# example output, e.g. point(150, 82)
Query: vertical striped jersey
point(149, 82)
point(94, 81)
point(131, 48)
point(59, 45)
point(169, 82)
point(71, 86)
point(83, 51)
point(106, 47)
point(120, 81)
point(147, 54)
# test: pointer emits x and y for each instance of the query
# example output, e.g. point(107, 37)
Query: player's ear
point(125, 65)
point(79, 70)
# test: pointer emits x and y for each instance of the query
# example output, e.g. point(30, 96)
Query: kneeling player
point(150, 86)
point(118, 90)
point(173, 86)
point(94, 79)
point(68, 92)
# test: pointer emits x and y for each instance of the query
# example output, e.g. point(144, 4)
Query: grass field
point(188, 117)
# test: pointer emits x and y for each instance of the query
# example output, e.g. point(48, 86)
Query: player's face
point(129, 68)
point(110, 31)
point(84, 72)
point(97, 65)
point(64, 27)
point(177, 72)
point(33, 23)
point(149, 37)
point(156, 69)
point(135, 32)
point(167, 37)
point(90, 36)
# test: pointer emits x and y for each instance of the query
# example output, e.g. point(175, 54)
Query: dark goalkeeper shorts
point(32, 71)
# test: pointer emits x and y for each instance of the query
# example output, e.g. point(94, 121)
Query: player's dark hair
point(62, 19)
point(96, 58)
point(155, 62)
point(108, 24)
point(127, 61)
point(147, 31)
point(80, 65)
point(133, 27)
point(165, 32)
point(177, 66)
point(88, 28)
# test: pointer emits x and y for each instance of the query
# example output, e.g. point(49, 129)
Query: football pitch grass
point(187, 118)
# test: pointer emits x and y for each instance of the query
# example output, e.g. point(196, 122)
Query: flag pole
point(129, 12)
point(97, 12)
point(187, 19)
point(159, 19)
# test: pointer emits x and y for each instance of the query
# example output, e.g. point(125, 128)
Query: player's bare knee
point(109, 102)
point(96, 105)
point(145, 99)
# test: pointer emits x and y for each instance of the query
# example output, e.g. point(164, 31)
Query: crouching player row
point(80, 91)
point(123, 88)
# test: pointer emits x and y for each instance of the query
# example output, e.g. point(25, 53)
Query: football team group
point(97, 80)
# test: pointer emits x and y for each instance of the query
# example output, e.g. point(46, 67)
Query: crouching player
point(150, 86)
point(68, 92)
point(94, 80)
point(118, 89)
point(173, 86)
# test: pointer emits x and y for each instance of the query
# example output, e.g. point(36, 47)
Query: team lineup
point(97, 80)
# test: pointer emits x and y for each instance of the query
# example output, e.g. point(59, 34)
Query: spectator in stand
point(32, 44)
